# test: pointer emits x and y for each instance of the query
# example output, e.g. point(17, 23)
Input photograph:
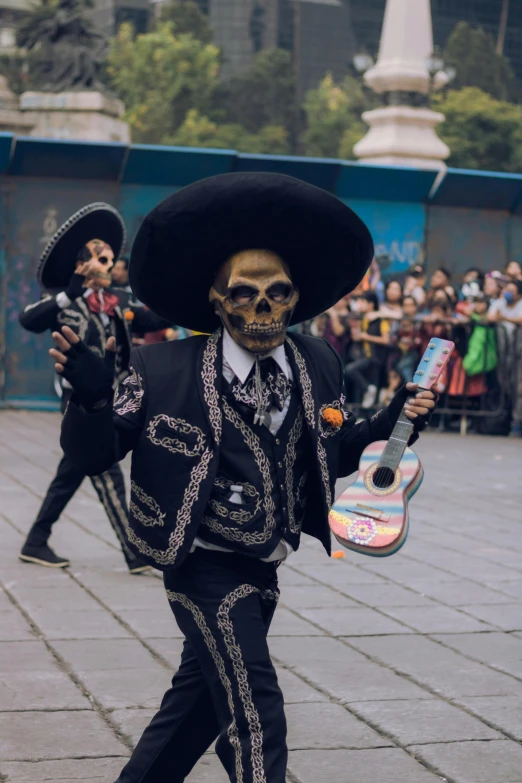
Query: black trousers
point(110, 488)
point(226, 686)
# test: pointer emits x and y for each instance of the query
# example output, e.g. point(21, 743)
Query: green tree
point(472, 52)
point(481, 132)
point(160, 76)
point(263, 95)
point(187, 17)
point(199, 131)
point(333, 114)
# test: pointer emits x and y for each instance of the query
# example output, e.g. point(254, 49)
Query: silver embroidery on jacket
point(210, 391)
point(309, 407)
point(254, 444)
point(157, 518)
point(75, 320)
point(180, 427)
point(290, 458)
point(245, 691)
point(238, 514)
point(168, 556)
point(131, 399)
point(208, 637)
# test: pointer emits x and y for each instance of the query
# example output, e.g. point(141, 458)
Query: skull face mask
point(254, 296)
point(97, 270)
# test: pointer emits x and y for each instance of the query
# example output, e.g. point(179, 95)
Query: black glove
point(397, 404)
point(76, 287)
point(91, 377)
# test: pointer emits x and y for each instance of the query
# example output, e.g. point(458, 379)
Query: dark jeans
point(358, 375)
point(226, 686)
point(110, 488)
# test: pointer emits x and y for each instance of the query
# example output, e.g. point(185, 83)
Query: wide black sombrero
point(58, 260)
point(183, 241)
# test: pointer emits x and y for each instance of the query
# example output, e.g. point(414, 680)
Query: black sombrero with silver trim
point(183, 241)
point(94, 221)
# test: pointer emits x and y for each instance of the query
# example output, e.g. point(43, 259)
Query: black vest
point(273, 472)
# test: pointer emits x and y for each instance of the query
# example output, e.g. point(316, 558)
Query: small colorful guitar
point(371, 516)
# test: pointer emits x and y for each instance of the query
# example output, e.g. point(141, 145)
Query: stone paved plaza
point(403, 670)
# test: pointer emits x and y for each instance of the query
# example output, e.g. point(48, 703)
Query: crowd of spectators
point(382, 329)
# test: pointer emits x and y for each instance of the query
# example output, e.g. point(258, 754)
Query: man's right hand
point(91, 377)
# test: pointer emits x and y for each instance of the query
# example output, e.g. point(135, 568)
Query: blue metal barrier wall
point(461, 219)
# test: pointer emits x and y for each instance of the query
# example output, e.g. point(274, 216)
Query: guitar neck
point(396, 446)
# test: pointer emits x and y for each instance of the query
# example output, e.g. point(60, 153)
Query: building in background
point(367, 16)
point(110, 14)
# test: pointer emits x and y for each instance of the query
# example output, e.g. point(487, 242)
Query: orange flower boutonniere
point(333, 418)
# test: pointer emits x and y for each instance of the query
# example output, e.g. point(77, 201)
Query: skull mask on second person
point(254, 296)
point(96, 264)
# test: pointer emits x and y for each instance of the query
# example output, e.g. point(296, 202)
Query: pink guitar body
point(375, 521)
point(371, 516)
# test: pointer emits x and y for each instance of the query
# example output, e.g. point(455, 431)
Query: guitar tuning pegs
point(439, 363)
point(432, 345)
point(420, 372)
point(445, 350)
point(426, 358)
point(433, 377)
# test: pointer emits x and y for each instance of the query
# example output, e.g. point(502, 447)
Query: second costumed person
point(237, 437)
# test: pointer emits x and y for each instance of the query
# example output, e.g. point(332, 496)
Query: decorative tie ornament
point(102, 302)
point(266, 387)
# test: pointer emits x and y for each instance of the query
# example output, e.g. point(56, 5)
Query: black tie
point(275, 387)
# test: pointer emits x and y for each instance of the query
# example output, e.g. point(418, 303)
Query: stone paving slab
point(442, 670)
point(436, 619)
point(431, 690)
point(69, 771)
point(423, 722)
point(26, 735)
point(340, 766)
point(132, 722)
point(503, 712)
point(328, 726)
point(475, 762)
point(361, 621)
point(499, 650)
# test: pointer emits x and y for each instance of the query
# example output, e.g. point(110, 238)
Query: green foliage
point(333, 114)
point(472, 52)
point(199, 131)
point(263, 95)
point(482, 132)
point(187, 17)
point(160, 76)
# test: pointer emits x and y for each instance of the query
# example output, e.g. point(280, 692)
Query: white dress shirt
point(238, 362)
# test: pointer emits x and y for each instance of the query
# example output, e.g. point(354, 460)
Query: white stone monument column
point(403, 131)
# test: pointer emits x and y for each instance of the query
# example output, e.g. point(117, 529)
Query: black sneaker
point(42, 555)
point(137, 566)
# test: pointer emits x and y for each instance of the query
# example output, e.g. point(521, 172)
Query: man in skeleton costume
point(233, 455)
point(75, 270)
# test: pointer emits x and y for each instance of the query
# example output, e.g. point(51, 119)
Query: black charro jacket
point(169, 414)
point(46, 314)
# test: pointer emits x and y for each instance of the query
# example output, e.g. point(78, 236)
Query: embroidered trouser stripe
point(224, 605)
point(111, 491)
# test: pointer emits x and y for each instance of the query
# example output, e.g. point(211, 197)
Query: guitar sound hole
point(383, 478)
